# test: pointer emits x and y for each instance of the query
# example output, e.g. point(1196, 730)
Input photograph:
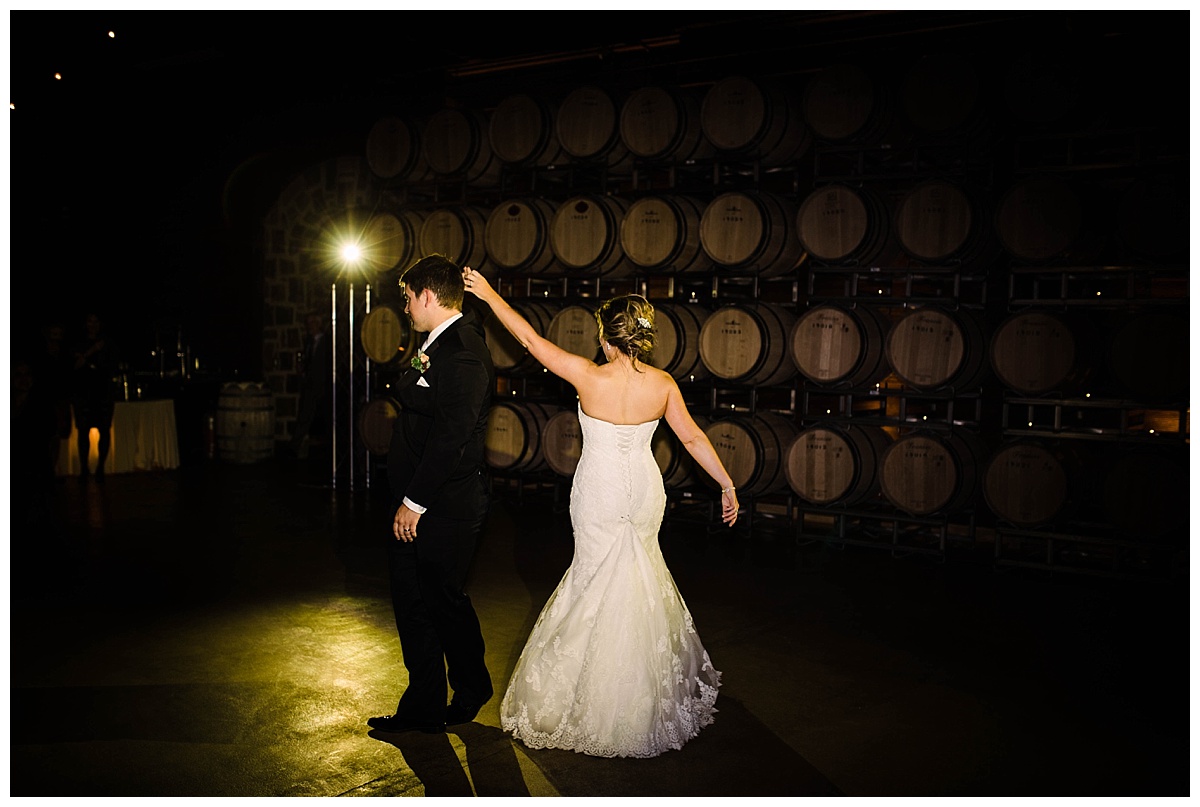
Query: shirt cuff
point(411, 505)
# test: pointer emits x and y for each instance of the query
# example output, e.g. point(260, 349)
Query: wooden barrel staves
point(828, 464)
point(375, 423)
point(1152, 216)
point(1027, 483)
point(934, 348)
point(677, 328)
point(841, 225)
point(752, 231)
point(588, 127)
point(574, 329)
point(661, 234)
point(562, 442)
point(846, 103)
point(393, 150)
point(456, 145)
point(585, 235)
point(753, 449)
point(508, 355)
point(925, 473)
point(517, 236)
point(521, 131)
point(942, 95)
point(1034, 352)
point(939, 222)
point(245, 423)
point(1148, 357)
point(661, 124)
point(513, 442)
point(755, 119)
point(458, 233)
point(836, 345)
point(1041, 219)
point(387, 336)
point(1144, 494)
point(748, 343)
point(390, 240)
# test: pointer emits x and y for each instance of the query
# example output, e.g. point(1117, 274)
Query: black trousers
point(439, 630)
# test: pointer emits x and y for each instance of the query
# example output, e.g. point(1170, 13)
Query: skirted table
point(143, 439)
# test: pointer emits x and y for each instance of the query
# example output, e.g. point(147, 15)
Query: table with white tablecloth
point(143, 438)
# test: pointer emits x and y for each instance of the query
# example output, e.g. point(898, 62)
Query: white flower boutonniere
point(420, 361)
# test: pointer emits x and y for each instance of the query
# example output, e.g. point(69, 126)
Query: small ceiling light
point(58, 76)
point(351, 253)
point(111, 35)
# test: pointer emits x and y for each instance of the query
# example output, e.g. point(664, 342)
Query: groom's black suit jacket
point(436, 453)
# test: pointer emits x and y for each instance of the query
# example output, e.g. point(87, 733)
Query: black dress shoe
point(396, 724)
point(459, 713)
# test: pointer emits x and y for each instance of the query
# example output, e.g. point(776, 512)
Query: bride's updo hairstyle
point(627, 323)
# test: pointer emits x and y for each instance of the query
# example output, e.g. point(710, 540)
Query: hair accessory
point(645, 323)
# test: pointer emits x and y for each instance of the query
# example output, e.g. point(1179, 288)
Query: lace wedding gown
point(613, 666)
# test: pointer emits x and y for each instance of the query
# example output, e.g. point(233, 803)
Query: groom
point(435, 471)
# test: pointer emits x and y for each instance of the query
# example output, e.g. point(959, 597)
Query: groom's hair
point(438, 274)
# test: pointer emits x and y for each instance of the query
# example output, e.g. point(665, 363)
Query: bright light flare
point(350, 253)
point(112, 35)
point(58, 76)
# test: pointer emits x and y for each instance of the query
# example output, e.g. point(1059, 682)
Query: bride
point(614, 666)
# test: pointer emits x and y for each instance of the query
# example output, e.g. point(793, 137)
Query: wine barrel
point(938, 221)
point(828, 464)
point(662, 124)
point(513, 441)
point(588, 127)
point(585, 235)
point(836, 345)
point(574, 329)
point(1145, 494)
point(393, 150)
point(1045, 88)
point(936, 348)
point(941, 94)
point(748, 343)
point(1148, 357)
point(562, 442)
point(678, 468)
point(754, 119)
point(1042, 218)
point(753, 449)
point(508, 356)
point(456, 145)
point(752, 231)
point(387, 336)
point(245, 422)
point(1153, 216)
point(662, 234)
point(458, 233)
point(677, 329)
point(841, 225)
point(845, 103)
point(1034, 352)
point(390, 240)
point(517, 235)
point(521, 131)
point(375, 423)
point(924, 473)
point(1027, 483)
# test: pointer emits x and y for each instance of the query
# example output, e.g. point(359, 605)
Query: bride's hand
point(729, 507)
point(477, 284)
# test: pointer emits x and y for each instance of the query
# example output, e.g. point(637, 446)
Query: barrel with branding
point(375, 424)
point(938, 348)
point(926, 472)
point(1044, 218)
point(846, 103)
point(1148, 357)
point(748, 343)
point(517, 235)
point(509, 357)
point(585, 234)
point(1034, 352)
point(458, 233)
point(588, 127)
point(839, 345)
point(521, 131)
point(456, 145)
point(1027, 482)
point(752, 231)
point(753, 449)
point(662, 124)
point(390, 240)
point(828, 464)
point(662, 234)
point(676, 465)
point(387, 335)
point(677, 329)
point(393, 150)
point(574, 329)
point(843, 225)
point(245, 423)
point(513, 441)
point(755, 119)
point(939, 221)
point(562, 442)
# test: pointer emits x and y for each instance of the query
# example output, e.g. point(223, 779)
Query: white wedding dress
point(613, 666)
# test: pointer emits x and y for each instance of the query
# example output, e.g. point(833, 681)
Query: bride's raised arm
point(566, 365)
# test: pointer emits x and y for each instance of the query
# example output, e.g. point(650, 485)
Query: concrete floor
point(224, 630)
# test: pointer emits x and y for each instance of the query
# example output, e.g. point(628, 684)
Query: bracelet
point(726, 490)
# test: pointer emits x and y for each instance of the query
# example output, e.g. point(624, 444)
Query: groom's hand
point(404, 525)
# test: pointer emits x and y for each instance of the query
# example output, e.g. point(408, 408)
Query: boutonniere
point(420, 361)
